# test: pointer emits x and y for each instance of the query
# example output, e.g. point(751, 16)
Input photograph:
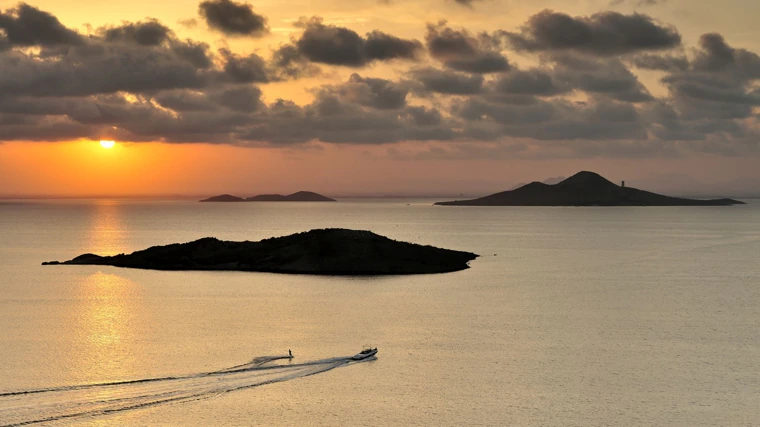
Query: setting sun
point(107, 144)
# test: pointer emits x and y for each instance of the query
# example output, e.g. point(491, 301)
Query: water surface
point(571, 316)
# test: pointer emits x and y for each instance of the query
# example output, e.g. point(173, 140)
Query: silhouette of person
point(290, 353)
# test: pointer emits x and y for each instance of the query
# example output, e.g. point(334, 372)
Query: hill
point(583, 189)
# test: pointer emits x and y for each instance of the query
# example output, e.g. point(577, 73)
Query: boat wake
point(27, 407)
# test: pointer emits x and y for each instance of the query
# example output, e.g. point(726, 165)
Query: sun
point(107, 144)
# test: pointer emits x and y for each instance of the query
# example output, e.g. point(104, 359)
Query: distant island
point(224, 198)
point(584, 189)
point(324, 251)
point(301, 196)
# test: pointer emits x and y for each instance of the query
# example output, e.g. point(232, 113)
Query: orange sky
point(83, 168)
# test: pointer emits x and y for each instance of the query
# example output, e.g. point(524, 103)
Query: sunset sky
point(375, 97)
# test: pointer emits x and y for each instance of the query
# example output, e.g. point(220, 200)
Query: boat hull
point(360, 356)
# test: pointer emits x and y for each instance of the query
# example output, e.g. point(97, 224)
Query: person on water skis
point(290, 354)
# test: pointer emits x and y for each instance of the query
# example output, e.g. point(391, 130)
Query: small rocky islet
point(300, 196)
point(317, 252)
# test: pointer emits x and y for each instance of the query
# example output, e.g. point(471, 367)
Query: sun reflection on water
point(105, 319)
point(106, 234)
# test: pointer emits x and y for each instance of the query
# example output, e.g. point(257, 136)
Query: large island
point(300, 196)
point(328, 251)
point(584, 189)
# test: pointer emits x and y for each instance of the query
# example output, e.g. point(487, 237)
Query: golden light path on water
point(27, 407)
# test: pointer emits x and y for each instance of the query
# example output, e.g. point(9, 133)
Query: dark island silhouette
point(584, 189)
point(301, 196)
point(324, 251)
point(224, 198)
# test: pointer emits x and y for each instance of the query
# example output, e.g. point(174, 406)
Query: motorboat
point(367, 352)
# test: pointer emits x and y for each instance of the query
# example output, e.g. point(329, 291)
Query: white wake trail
point(27, 407)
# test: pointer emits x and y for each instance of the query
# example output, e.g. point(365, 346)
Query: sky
point(376, 97)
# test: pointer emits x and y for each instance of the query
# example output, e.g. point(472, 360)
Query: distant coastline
point(300, 196)
point(584, 189)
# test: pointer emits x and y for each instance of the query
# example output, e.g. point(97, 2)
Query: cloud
point(333, 45)
point(553, 120)
point(245, 99)
point(233, 18)
point(604, 34)
point(148, 33)
point(534, 81)
point(108, 69)
point(637, 3)
point(288, 63)
point(606, 77)
point(466, 3)
point(447, 82)
point(459, 50)
point(139, 81)
point(717, 56)
point(188, 23)
point(26, 25)
point(661, 62)
point(247, 69)
point(370, 92)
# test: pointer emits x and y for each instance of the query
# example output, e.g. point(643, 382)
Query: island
point(224, 198)
point(584, 189)
point(300, 196)
point(320, 252)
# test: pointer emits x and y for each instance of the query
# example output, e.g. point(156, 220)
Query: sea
point(578, 316)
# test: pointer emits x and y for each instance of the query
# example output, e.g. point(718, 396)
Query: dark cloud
point(371, 92)
point(448, 82)
point(148, 33)
point(552, 120)
point(152, 33)
point(534, 81)
point(710, 88)
point(184, 100)
point(467, 3)
point(108, 69)
point(233, 18)
point(637, 3)
point(717, 56)
point(197, 54)
point(247, 69)
point(288, 63)
point(381, 46)
point(423, 116)
point(661, 62)
point(459, 50)
point(26, 25)
point(332, 119)
point(605, 34)
point(329, 44)
point(245, 99)
point(332, 45)
point(607, 77)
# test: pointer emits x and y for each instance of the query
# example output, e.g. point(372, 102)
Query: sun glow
point(107, 144)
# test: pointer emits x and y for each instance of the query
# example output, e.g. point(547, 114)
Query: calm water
point(572, 316)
